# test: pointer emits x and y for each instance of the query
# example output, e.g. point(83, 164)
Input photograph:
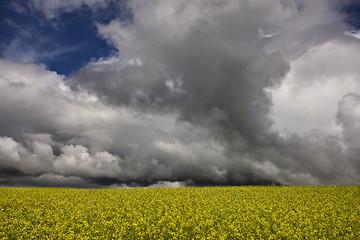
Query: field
point(181, 213)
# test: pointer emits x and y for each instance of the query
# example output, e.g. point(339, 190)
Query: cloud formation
point(195, 96)
point(51, 9)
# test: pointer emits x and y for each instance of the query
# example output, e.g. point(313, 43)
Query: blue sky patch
point(64, 44)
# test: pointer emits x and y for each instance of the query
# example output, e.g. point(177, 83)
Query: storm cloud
point(200, 93)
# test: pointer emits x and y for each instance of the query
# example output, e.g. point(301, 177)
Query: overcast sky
point(111, 93)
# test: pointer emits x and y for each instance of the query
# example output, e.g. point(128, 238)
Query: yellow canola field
point(181, 213)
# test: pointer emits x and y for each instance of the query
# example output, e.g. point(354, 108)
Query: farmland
point(181, 213)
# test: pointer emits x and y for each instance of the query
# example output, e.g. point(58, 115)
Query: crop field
point(181, 213)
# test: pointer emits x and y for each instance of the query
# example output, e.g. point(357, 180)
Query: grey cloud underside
point(187, 101)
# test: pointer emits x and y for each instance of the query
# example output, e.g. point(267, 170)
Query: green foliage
point(181, 213)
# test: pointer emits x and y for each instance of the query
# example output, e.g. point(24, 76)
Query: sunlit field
point(181, 213)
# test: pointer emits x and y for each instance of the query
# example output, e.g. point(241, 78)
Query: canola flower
point(181, 213)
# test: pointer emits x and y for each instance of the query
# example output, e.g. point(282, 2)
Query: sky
point(126, 93)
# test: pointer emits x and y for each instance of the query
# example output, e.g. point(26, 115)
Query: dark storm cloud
point(188, 101)
point(217, 68)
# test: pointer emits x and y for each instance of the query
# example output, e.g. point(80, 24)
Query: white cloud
point(167, 184)
point(349, 118)
point(353, 33)
point(77, 161)
point(14, 156)
point(308, 96)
